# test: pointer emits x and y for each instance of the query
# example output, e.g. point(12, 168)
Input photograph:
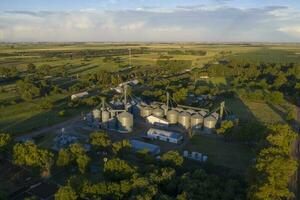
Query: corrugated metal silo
point(203, 113)
point(190, 111)
point(125, 120)
point(209, 124)
point(105, 116)
point(172, 116)
point(196, 121)
point(184, 119)
point(158, 112)
point(96, 113)
point(146, 111)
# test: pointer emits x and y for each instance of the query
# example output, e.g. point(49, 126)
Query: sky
point(150, 20)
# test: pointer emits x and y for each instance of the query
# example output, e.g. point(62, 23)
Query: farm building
point(79, 95)
point(163, 135)
point(139, 145)
point(157, 121)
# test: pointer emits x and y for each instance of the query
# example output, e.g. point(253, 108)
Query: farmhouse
point(163, 135)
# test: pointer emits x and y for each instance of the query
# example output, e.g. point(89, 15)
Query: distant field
point(223, 153)
point(269, 55)
point(249, 111)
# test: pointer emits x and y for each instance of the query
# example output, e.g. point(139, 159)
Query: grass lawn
point(231, 155)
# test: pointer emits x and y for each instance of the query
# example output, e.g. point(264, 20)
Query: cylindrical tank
point(154, 105)
point(209, 124)
point(158, 112)
point(172, 116)
point(146, 111)
point(215, 115)
point(125, 120)
point(203, 113)
point(179, 109)
point(196, 121)
point(190, 111)
point(105, 116)
point(184, 119)
point(96, 113)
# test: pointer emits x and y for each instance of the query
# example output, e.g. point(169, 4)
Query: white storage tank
point(190, 111)
point(209, 124)
point(158, 112)
point(105, 116)
point(184, 119)
point(125, 120)
point(203, 113)
point(172, 116)
point(197, 121)
point(146, 111)
point(96, 113)
point(215, 115)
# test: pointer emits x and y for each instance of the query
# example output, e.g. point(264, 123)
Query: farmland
point(258, 83)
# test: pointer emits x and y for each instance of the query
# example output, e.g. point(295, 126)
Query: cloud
point(183, 23)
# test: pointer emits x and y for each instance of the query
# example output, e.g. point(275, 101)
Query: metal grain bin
point(179, 109)
point(96, 113)
point(105, 116)
point(172, 116)
point(146, 111)
point(158, 112)
point(203, 113)
point(209, 124)
point(190, 111)
point(184, 119)
point(196, 121)
point(125, 120)
point(215, 115)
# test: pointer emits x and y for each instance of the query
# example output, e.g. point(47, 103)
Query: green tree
point(121, 147)
point(226, 127)
point(29, 154)
point(4, 140)
point(82, 162)
point(100, 140)
point(180, 95)
point(66, 193)
point(275, 165)
point(117, 169)
point(172, 158)
point(63, 158)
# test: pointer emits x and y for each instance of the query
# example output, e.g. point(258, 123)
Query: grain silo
point(172, 116)
point(96, 113)
point(105, 118)
point(215, 115)
point(203, 113)
point(196, 121)
point(178, 109)
point(190, 111)
point(158, 112)
point(184, 119)
point(146, 111)
point(125, 120)
point(209, 124)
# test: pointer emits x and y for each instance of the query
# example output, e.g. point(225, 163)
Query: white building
point(157, 121)
point(79, 95)
point(163, 135)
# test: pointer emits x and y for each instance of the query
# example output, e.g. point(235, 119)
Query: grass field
point(223, 153)
point(249, 111)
